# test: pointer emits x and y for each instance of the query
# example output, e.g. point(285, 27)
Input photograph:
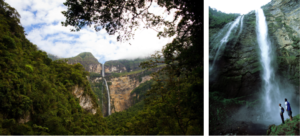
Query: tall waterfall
point(107, 90)
point(271, 96)
point(224, 40)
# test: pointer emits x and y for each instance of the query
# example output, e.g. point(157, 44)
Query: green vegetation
point(250, 20)
point(289, 128)
point(141, 91)
point(174, 104)
point(218, 19)
point(84, 59)
point(97, 89)
point(145, 72)
point(93, 75)
point(36, 89)
point(118, 123)
point(130, 65)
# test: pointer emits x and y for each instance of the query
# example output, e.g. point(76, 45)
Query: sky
point(236, 6)
point(42, 22)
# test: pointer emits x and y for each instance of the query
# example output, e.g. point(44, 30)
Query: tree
point(178, 91)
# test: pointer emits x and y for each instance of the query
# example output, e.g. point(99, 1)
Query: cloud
point(41, 20)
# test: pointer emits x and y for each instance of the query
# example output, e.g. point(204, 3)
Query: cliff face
point(238, 68)
point(114, 69)
point(95, 68)
point(122, 76)
point(283, 18)
point(120, 91)
point(85, 100)
point(237, 72)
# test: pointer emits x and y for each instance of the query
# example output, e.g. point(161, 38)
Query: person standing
point(288, 109)
point(281, 113)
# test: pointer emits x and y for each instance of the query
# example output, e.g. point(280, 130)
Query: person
point(288, 109)
point(281, 113)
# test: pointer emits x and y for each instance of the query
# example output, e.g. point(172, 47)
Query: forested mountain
point(38, 95)
point(123, 77)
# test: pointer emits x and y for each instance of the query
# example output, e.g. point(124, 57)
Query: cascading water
point(108, 96)
point(102, 100)
point(270, 87)
point(224, 40)
point(241, 26)
point(107, 90)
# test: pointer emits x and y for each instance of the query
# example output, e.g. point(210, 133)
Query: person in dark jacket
point(288, 109)
point(281, 113)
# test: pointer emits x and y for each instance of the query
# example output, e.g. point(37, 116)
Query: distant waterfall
point(103, 70)
point(224, 40)
point(270, 87)
point(107, 90)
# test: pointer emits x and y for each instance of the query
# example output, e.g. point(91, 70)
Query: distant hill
point(87, 60)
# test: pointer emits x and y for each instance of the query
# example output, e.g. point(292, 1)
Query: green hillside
point(84, 58)
point(35, 92)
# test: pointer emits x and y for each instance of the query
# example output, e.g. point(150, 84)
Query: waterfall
point(108, 96)
point(107, 90)
point(270, 88)
point(102, 101)
point(224, 40)
point(103, 70)
point(241, 26)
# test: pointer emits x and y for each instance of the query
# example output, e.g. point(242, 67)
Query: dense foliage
point(141, 90)
point(36, 92)
point(218, 19)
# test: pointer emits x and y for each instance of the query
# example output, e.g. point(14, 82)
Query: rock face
point(85, 100)
point(115, 69)
point(238, 69)
point(120, 90)
point(95, 68)
point(283, 17)
point(25, 119)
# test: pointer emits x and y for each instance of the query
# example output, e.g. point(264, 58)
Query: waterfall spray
point(107, 90)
